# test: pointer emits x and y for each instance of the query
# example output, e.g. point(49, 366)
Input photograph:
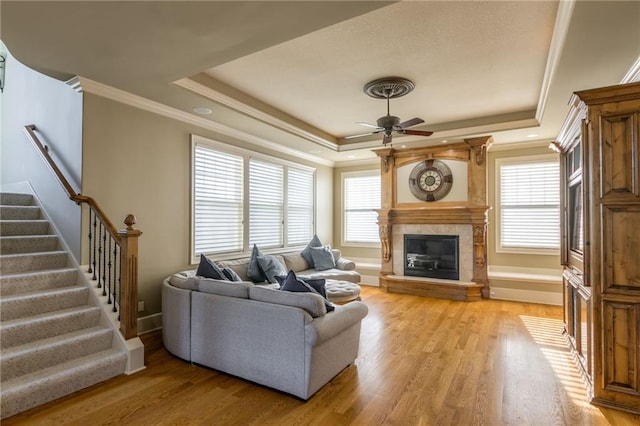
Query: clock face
point(430, 180)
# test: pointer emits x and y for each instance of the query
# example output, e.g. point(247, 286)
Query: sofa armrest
point(324, 328)
point(345, 264)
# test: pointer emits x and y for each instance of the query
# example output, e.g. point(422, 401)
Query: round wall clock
point(430, 180)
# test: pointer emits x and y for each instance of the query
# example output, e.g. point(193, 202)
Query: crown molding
point(633, 74)
point(560, 30)
point(245, 108)
point(542, 143)
point(82, 84)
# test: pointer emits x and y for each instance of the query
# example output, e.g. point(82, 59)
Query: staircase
point(53, 340)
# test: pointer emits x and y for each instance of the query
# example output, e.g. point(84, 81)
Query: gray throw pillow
point(271, 267)
point(322, 258)
point(306, 253)
point(208, 269)
point(254, 272)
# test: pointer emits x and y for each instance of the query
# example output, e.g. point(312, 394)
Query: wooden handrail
point(127, 239)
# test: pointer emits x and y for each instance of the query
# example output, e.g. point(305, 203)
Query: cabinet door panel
point(621, 249)
point(619, 155)
point(621, 347)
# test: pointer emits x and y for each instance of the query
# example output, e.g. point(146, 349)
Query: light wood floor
point(422, 362)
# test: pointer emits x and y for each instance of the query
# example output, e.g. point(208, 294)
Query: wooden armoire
point(600, 241)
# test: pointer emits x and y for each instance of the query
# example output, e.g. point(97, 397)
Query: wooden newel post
point(129, 278)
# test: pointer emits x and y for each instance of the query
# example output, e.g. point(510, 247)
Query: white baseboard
point(529, 296)
point(150, 323)
point(370, 280)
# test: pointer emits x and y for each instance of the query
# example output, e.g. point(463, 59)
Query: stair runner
point(52, 341)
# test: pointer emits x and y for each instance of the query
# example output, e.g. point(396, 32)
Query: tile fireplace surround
point(466, 218)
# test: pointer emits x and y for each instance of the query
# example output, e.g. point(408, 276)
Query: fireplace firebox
point(431, 256)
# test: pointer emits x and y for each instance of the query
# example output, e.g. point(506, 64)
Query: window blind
point(529, 205)
point(300, 196)
point(266, 205)
point(361, 195)
point(218, 201)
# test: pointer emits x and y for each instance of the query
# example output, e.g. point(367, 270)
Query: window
point(266, 205)
point(361, 195)
point(218, 199)
point(241, 198)
point(528, 212)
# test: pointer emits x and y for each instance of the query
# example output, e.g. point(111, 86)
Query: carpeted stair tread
point(26, 359)
point(23, 262)
point(28, 244)
point(14, 199)
point(24, 227)
point(27, 282)
point(24, 330)
point(34, 303)
point(19, 212)
point(28, 391)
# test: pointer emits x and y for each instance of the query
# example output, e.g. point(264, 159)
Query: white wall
point(56, 110)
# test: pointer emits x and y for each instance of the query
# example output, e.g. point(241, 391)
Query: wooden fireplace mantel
point(472, 212)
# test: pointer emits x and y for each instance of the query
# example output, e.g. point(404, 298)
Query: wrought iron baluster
point(104, 262)
point(95, 224)
point(116, 289)
point(112, 285)
point(99, 253)
point(90, 270)
point(109, 273)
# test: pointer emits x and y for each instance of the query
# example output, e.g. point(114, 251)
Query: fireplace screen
point(431, 256)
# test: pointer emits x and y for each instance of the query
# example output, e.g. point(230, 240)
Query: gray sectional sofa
point(282, 340)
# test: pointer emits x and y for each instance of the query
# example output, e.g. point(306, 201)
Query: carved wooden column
point(387, 193)
point(129, 278)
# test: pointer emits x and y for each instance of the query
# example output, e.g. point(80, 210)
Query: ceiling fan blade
point(386, 139)
point(367, 125)
point(417, 132)
point(410, 123)
point(360, 135)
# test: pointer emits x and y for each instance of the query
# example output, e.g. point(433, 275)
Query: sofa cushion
point(238, 265)
point(312, 303)
point(271, 266)
point(231, 274)
point(208, 269)
point(333, 274)
point(254, 271)
point(306, 252)
point(179, 279)
point(345, 264)
point(238, 289)
point(295, 262)
point(294, 284)
point(322, 258)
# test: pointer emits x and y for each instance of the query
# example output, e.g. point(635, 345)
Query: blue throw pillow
point(322, 258)
point(254, 272)
point(231, 274)
point(271, 267)
point(306, 252)
point(209, 269)
point(318, 284)
point(293, 284)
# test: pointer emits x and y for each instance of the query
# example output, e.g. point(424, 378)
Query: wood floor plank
point(422, 361)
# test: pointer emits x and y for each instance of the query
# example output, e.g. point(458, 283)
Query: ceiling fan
point(387, 88)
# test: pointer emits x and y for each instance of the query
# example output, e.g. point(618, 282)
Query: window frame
point(343, 240)
point(247, 155)
point(499, 162)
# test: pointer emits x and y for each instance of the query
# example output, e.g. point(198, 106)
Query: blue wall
point(56, 109)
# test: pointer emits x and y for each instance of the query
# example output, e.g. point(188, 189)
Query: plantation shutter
point(266, 207)
point(300, 195)
point(217, 201)
point(529, 203)
point(361, 196)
